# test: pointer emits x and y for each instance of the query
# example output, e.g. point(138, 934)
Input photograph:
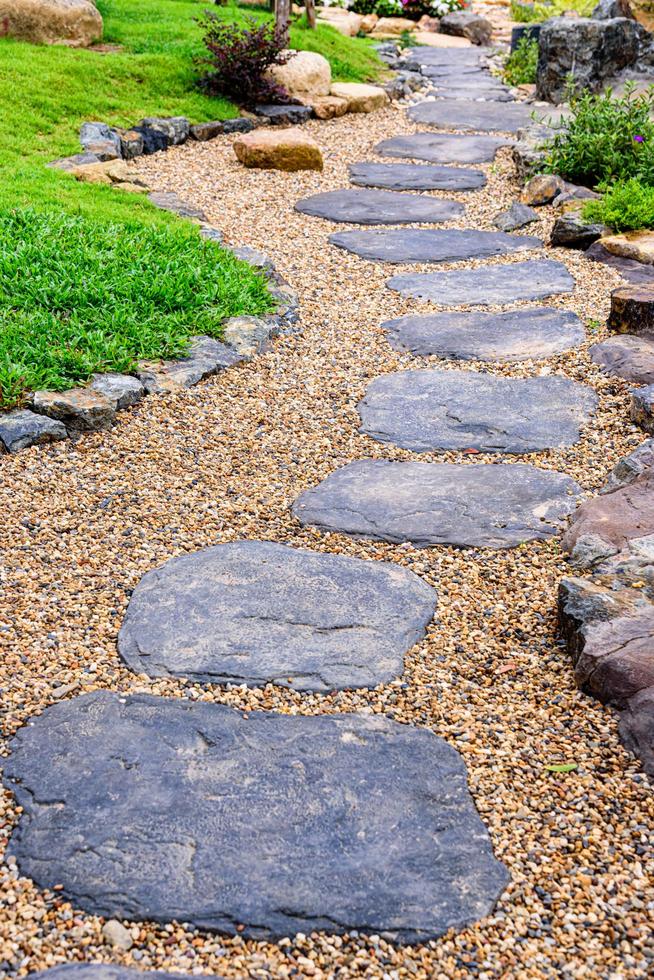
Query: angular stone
point(22, 428)
point(487, 117)
point(202, 132)
point(106, 971)
point(635, 273)
point(542, 189)
point(284, 115)
point(372, 207)
point(641, 408)
point(239, 125)
point(305, 73)
point(131, 144)
point(632, 310)
point(465, 23)
point(637, 728)
point(491, 285)
point(328, 106)
point(528, 154)
point(256, 612)
point(415, 177)
point(344, 21)
point(614, 518)
point(122, 389)
point(466, 505)
point(636, 245)
point(153, 140)
point(572, 231)
point(421, 245)
point(249, 334)
point(278, 149)
point(70, 164)
point(174, 128)
point(101, 140)
point(359, 97)
point(519, 335)
point(629, 467)
point(206, 357)
point(80, 409)
point(171, 201)
point(626, 356)
point(441, 149)
point(517, 216)
point(260, 824)
point(428, 410)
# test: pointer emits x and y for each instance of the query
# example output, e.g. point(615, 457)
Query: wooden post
point(310, 8)
point(283, 18)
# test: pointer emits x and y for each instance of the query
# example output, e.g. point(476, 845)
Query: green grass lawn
point(59, 88)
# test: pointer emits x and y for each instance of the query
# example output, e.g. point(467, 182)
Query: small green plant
point(364, 7)
point(536, 13)
point(625, 206)
point(389, 8)
point(407, 40)
point(521, 65)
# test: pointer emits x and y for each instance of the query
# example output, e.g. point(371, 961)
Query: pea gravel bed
point(225, 461)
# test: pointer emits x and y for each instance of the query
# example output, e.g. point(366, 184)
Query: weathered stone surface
point(492, 285)
point(100, 140)
point(266, 824)
point(641, 408)
point(75, 23)
point(572, 231)
point(239, 125)
point(528, 154)
point(589, 50)
point(608, 9)
point(636, 245)
point(441, 149)
point(171, 201)
point(428, 410)
point(372, 207)
point(637, 728)
point(278, 149)
point(305, 73)
point(542, 189)
point(256, 612)
point(415, 176)
point(80, 409)
point(131, 144)
point(466, 505)
point(328, 106)
point(22, 428)
point(344, 21)
point(517, 216)
point(629, 467)
point(487, 117)
point(105, 971)
point(202, 132)
point(627, 356)
point(465, 23)
point(206, 357)
point(421, 245)
point(519, 335)
point(71, 163)
point(634, 272)
point(632, 310)
point(117, 935)
point(122, 389)
point(174, 128)
point(613, 518)
point(249, 334)
point(284, 115)
point(394, 25)
point(478, 93)
point(359, 97)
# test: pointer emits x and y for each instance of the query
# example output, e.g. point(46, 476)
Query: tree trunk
point(283, 18)
point(310, 7)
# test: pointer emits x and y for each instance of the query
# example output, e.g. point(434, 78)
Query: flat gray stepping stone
point(437, 148)
point(428, 410)
point(518, 335)
point(480, 93)
point(421, 245)
point(107, 971)
point(447, 57)
point(492, 505)
point(256, 612)
point(464, 114)
point(158, 809)
point(415, 177)
point(492, 285)
point(371, 207)
point(626, 356)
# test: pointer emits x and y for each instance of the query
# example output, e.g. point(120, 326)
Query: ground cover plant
point(530, 13)
point(521, 65)
point(625, 206)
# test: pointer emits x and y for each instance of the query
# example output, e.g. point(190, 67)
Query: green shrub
point(521, 65)
point(364, 7)
point(536, 13)
point(625, 206)
point(605, 139)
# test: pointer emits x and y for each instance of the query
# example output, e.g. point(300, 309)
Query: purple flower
point(639, 139)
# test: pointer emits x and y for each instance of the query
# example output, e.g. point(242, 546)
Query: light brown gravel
point(225, 461)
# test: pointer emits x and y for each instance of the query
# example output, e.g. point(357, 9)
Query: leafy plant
point(415, 9)
point(407, 40)
point(625, 206)
point(605, 139)
point(389, 8)
point(364, 7)
point(521, 65)
point(536, 13)
point(238, 59)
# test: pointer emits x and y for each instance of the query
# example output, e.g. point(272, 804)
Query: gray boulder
point(464, 23)
point(22, 428)
point(610, 9)
point(101, 140)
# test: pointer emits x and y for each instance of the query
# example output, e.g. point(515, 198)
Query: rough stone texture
point(542, 189)
point(629, 467)
point(344, 21)
point(206, 357)
point(492, 285)
point(359, 97)
point(590, 50)
point(99, 139)
point(75, 23)
point(372, 207)
point(635, 273)
point(519, 335)
point(441, 149)
point(106, 971)
point(632, 310)
point(266, 824)
point(249, 334)
point(80, 409)
point(613, 518)
point(487, 117)
point(627, 357)
point(171, 201)
point(641, 408)
point(422, 245)
point(637, 728)
point(71, 163)
point(477, 92)
point(466, 505)
point(394, 25)
point(256, 612)
point(122, 389)
point(528, 155)
point(239, 125)
point(636, 245)
point(428, 410)
point(131, 144)
point(465, 23)
point(415, 177)
point(608, 9)
point(572, 231)
point(175, 129)
point(328, 106)
point(202, 132)
point(284, 115)
point(517, 216)
point(305, 73)
point(279, 149)
point(22, 428)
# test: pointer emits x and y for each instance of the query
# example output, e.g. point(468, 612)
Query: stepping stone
point(428, 410)
point(626, 356)
point(259, 824)
point(442, 149)
point(415, 177)
point(489, 505)
point(492, 285)
point(107, 971)
point(446, 57)
point(470, 115)
point(419, 245)
point(480, 93)
point(256, 612)
point(378, 207)
point(519, 335)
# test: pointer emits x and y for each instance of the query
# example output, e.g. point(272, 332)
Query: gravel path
point(225, 461)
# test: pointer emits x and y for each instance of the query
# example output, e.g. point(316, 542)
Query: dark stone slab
point(627, 356)
point(466, 505)
point(421, 245)
point(256, 612)
point(492, 285)
point(519, 335)
point(415, 177)
point(21, 428)
point(634, 272)
point(262, 824)
point(437, 148)
point(284, 115)
point(107, 971)
point(469, 115)
point(372, 207)
point(428, 410)
point(516, 216)
point(446, 57)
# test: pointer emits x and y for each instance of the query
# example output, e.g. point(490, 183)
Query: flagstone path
point(426, 245)
point(416, 177)
point(378, 207)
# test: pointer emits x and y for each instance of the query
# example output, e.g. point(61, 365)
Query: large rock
point(626, 356)
point(22, 428)
point(306, 73)
point(466, 505)
point(205, 358)
point(256, 612)
point(436, 148)
point(100, 140)
point(636, 245)
point(75, 23)
point(284, 149)
point(428, 410)
point(516, 216)
point(571, 230)
point(255, 824)
point(637, 728)
point(360, 97)
point(483, 117)
point(415, 177)
point(588, 50)
point(373, 207)
point(423, 245)
point(344, 21)
point(632, 310)
point(79, 409)
point(465, 23)
point(393, 25)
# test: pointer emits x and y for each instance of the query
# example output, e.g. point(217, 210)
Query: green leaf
point(561, 766)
